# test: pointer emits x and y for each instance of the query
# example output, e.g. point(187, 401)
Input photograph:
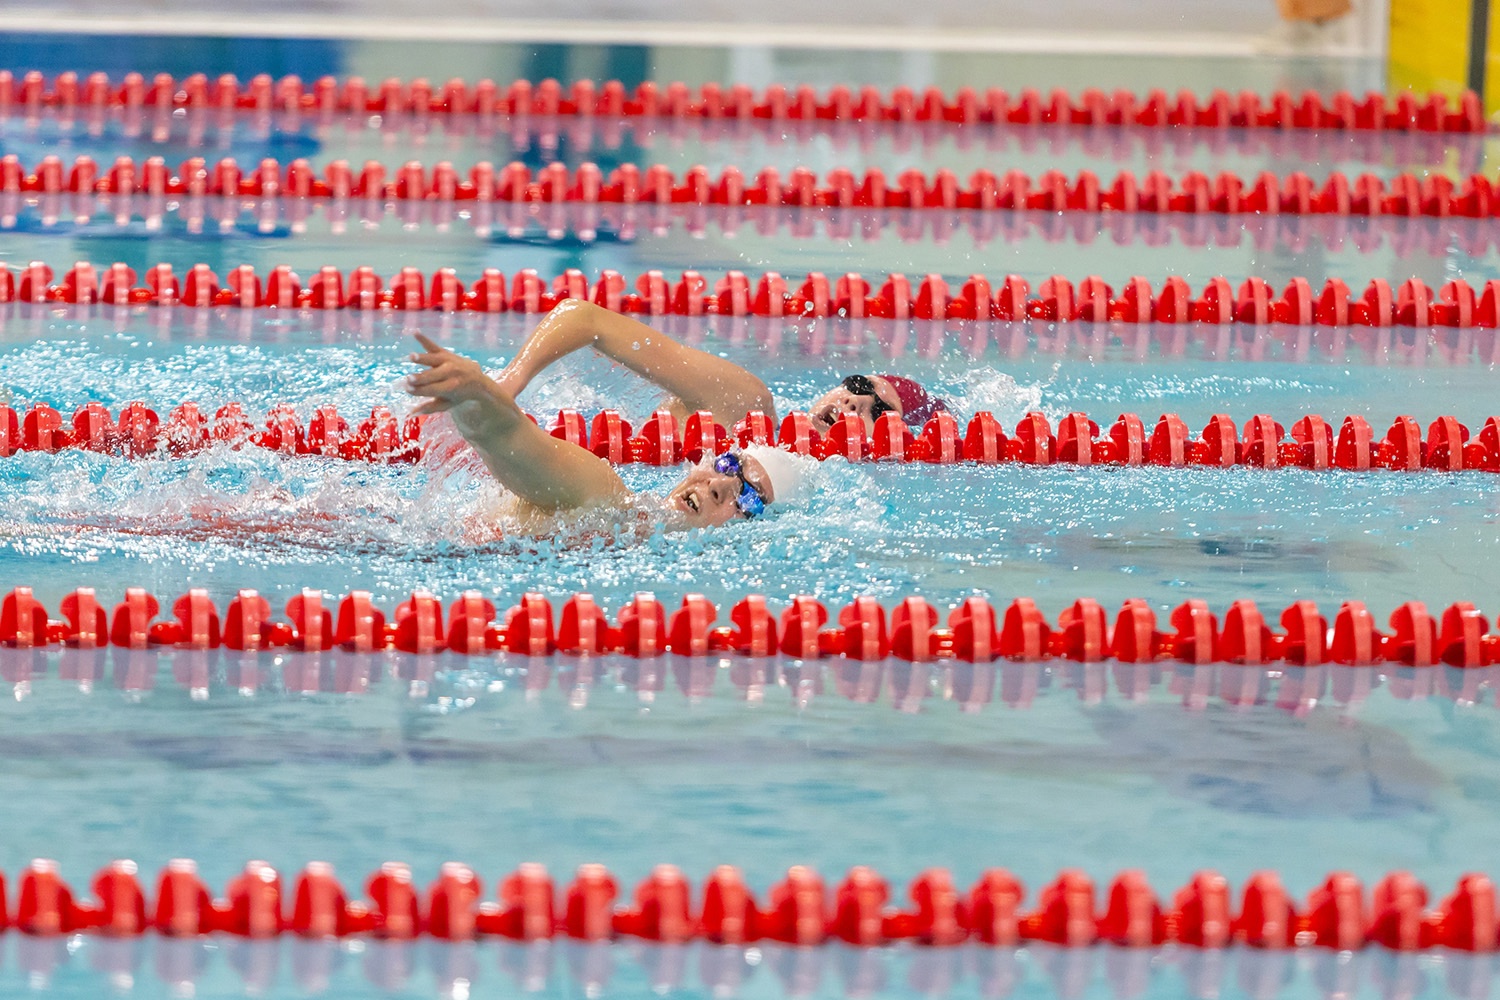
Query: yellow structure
point(1491, 87)
point(1430, 47)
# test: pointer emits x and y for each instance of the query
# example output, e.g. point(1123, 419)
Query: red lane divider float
point(1405, 195)
point(801, 909)
point(1413, 303)
point(138, 432)
point(645, 627)
point(1156, 109)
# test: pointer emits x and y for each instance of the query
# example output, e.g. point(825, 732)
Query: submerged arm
point(695, 379)
point(548, 473)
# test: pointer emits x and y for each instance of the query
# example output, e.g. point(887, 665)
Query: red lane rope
point(1405, 195)
point(644, 627)
point(1457, 304)
point(328, 95)
point(139, 432)
point(800, 909)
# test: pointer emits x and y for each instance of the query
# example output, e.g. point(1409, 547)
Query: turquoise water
point(538, 140)
point(254, 519)
point(1035, 245)
point(621, 771)
point(495, 766)
point(548, 970)
point(497, 761)
point(494, 761)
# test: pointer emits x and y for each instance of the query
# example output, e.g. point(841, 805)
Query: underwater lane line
point(587, 98)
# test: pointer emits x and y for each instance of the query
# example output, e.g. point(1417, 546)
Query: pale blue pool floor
point(223, 968)
point(557, 970)
point(473, 766)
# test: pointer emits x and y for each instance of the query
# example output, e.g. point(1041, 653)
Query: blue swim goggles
point(750, 502)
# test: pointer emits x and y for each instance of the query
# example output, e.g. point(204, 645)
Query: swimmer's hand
point(450, 379)
point(549, 474)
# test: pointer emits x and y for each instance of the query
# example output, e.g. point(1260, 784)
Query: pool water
point(254, 519)
point(493, 767)
point(500, 760)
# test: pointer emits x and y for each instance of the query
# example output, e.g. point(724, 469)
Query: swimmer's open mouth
point(825, 416)
point(689, 500)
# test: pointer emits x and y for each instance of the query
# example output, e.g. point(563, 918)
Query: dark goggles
point(750, 502)
point(860, 385)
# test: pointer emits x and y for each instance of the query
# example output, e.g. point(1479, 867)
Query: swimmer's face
point(708, 498)
point(851, 397)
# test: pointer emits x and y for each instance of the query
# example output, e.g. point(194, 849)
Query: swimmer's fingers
point(436, 387)
point(436, 373)
point(431, 359)
point(435, 354)
point(433, 406)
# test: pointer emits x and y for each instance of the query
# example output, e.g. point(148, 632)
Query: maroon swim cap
point(917, 405)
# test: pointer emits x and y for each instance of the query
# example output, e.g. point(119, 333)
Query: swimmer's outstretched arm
point(695, 379)
point(548, 473)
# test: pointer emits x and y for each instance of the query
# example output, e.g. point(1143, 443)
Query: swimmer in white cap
point(550, 476)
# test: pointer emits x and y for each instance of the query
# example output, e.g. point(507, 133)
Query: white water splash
point(998, 392)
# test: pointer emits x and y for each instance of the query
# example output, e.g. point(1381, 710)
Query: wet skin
point(706, 498)
point(832, 404)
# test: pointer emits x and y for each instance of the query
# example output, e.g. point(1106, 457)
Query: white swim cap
point(784, 469)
